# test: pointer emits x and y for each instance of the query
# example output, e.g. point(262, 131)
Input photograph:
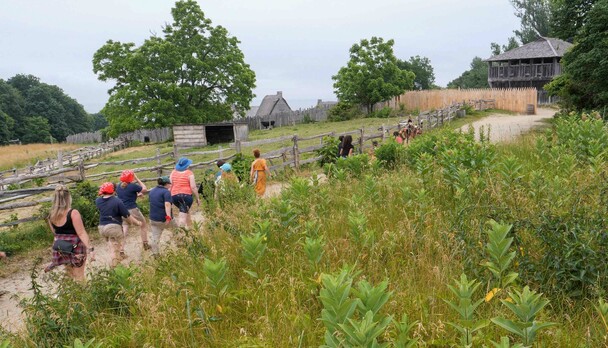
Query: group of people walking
point(118, 209)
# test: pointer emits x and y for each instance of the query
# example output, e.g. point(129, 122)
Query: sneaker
point(147, 246)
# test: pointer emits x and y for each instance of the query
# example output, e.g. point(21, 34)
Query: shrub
point(83, 200)
point(390, 154)
point(241, 165)
point(329, 151)
point(385, 112)
point(344, 112)
point(354, 166)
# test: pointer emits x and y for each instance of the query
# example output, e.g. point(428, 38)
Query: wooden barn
point(198, 135)
point(531, 65)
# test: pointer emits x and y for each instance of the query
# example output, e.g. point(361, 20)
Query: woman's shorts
point(183, 202)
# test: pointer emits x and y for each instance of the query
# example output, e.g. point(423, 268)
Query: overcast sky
point(294, 46)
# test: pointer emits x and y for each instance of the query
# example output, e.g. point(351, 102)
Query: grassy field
point(367, 258)
point(15, 156)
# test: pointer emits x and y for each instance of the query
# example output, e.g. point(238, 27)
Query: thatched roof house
point(531, 65)
point(273, 104)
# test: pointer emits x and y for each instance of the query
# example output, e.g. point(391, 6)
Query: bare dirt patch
point(506, 128)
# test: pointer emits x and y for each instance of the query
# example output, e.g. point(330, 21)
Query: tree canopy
point(371, 75)
point(497, 49)
point(33, 111)
point(584, 84)
point(535, 16)
point(422, 68)
point(475, 77)
point(569, 17)
point(193, 73)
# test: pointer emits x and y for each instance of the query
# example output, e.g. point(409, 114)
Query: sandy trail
point(506, 128)
point(17, 285)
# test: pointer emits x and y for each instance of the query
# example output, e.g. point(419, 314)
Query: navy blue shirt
point(128, 195)
point(158, 196)
point(111, 210)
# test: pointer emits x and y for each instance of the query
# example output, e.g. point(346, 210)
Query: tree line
point(35, 112)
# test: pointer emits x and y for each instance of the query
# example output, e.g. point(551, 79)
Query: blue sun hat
point(183, 164)
point(226, 167)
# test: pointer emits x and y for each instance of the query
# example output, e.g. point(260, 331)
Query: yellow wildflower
point(219, 308)
point(508, 299)
point(490, 295)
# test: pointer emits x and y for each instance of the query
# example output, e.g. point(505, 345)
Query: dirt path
point(506, 128)
point(17, 285)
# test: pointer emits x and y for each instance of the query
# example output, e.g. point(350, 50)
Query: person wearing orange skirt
point(259, 173)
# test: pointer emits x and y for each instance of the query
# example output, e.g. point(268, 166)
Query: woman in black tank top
point(72, 231)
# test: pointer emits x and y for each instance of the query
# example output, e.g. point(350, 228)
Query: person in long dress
point(259, 173)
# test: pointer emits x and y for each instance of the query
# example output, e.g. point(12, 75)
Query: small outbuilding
point(199, 135)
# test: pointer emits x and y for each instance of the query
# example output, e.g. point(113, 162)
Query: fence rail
point(280, 158)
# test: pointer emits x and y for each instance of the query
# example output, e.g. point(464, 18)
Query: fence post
point(383, 133)
point(175, 152)
point(220, 153)
point(296, 153)
point(60, 165)
point(237, 146)
point(159, 171)
point(361, 141)
point(81, 170)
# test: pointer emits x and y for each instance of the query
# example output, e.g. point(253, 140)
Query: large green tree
point(6, 130)
point(193, 73)
point(24, 96)
point(475, 77)
point(371, 75)
point(40, 130)
point(13, 106)
point(569, 17)
point(422, 68)
point(535, 16)
point(584, 84)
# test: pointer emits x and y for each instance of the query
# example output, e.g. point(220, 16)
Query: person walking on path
point(183, 187)
point(160, 211)
point(347, 146)
point(71, 243)
point(111, 213)
point(259, 173)
point(128, 191)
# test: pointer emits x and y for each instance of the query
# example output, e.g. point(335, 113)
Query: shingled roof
point(543, 47)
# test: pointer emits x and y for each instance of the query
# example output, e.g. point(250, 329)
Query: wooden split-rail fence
point(297, 151)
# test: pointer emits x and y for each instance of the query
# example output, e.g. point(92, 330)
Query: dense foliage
point(583, 85)
point(422, 69)
point(193, 73)
point(27, 104)
point(535, 16)
point(371, 75)
point(475, 77)
point(569, 16)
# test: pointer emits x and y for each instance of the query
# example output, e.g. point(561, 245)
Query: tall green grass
point(253, 274)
